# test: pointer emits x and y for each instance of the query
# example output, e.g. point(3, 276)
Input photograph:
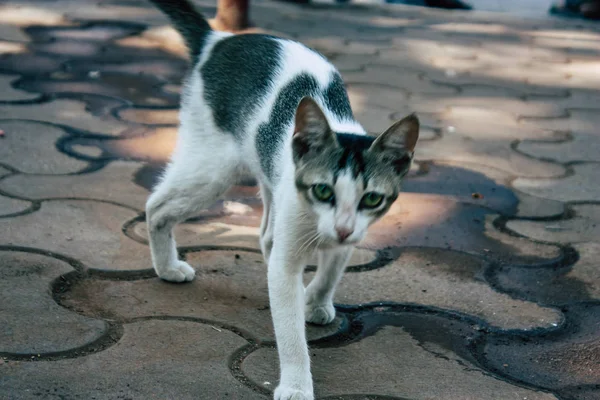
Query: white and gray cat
point(279, 109)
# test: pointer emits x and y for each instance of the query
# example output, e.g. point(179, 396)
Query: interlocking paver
point(149, 361)
point(509, 121)
point(230, 288)
point(433, 277)
point(37, 141)
point(577, 120)
point(583, 147)
point(566, 364)
point(580, 186)
point(150, 116)
point(394, 362)
point(89, 231)
point(32, 322)
point(12, 33)
point(583, 227)
point(558, 286)
point(409, 80)
point(113, 183)
point(8, 93)
point(72, 113)
point(9, 206)
point(23, 15)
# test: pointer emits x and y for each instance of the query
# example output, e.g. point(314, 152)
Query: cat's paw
point(288, 393)
point(179, 272)
point(320, 314)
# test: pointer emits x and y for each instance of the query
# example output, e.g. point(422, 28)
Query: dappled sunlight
point(24, 16)
point(154, 147)
point(490, 29)
point(411, 214)
point(163, 37)
point(12, 48)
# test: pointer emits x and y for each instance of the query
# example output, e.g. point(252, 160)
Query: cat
point(280, 110)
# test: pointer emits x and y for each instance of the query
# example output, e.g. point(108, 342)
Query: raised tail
point(188, 21)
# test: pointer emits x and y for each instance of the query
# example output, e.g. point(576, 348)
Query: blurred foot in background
point(589, 9)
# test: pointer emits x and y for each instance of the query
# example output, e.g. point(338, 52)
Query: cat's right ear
point(311, 130)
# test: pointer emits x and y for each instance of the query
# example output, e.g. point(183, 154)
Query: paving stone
point(113, 183)
point(30, 148)
point(537, 207)
point(426, 220)
point(143, 144)
point(143, 90)
point(581, 121)
point(583, 147)
point(507, 102)
point(8, 93)
point(63, 112)
point(557, 286)
point(28, 64)
point(439, 278)
point(12, 33)
point(11, 47)
point(492, 182)
point(115, 12)
point(162, 37)
point(33, 322)
point(583, 227)
point(409, 80)
point(464, 140)
point(9, 206)
point(392, 362)
point(153, 359)
point(150, 116)
point(563, 362)
point(23, 15)
point(377, 94)
point(230, 288)
point(89, 231)
point(96, 31)
point(581, 186)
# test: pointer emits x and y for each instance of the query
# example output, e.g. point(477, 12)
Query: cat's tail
point(188, 21)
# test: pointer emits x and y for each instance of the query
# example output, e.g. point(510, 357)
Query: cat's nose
point(343, 233)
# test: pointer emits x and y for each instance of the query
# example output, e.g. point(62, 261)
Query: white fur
point(206, 163)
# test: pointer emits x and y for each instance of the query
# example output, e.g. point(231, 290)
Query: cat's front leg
point(286, 294)
point(319, 293)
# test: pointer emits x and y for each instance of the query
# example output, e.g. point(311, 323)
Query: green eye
point(371, 200)
point(322, 192)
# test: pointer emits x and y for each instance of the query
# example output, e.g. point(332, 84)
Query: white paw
point(320, 314)
point(288, 393)
point(179, 272)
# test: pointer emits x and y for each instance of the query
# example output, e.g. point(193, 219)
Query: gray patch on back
point(271, 134)
point(237, 76)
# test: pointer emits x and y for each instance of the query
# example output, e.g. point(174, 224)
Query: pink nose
point(343, 233)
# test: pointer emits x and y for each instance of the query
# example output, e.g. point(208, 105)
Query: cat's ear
point(311, 129)
point(397, 143)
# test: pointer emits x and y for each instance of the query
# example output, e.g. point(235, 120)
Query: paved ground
point(482, 283)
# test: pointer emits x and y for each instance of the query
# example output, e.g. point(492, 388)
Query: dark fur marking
point(352, 156)
point(271, 134)
point(237, 76)
point(336, 98)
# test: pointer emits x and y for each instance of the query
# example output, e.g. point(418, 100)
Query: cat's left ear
point(397, 143)
point(311, 130)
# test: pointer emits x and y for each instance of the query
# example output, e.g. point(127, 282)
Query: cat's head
point(348, 181)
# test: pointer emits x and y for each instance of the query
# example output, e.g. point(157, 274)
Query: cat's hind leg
point(319, 293)
point(198, 175)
